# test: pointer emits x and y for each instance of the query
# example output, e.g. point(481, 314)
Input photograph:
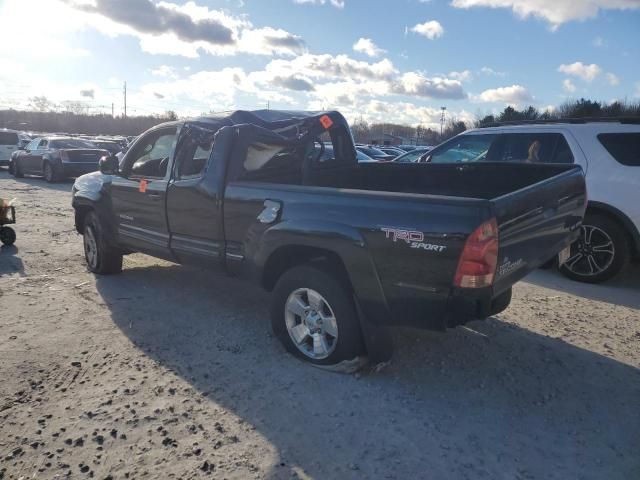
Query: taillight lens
point(477, 265)
point(64, 156)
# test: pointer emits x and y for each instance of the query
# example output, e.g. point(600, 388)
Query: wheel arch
point(621, 219)
point(288, 256)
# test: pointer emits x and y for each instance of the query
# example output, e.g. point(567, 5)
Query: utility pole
point(111, 109)
point(268, 105)
point(442, 118)
point(124, 90)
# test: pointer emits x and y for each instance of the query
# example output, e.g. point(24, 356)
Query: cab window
point(150, 155)
point(193, 153)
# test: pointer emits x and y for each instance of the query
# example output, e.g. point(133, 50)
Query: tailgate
point(536, 223)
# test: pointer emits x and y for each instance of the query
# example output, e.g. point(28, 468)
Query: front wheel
point(49, 173)
point(314, 316)
point(100, 257)
point(600, 253)
point(7, 235)
point(17, 170)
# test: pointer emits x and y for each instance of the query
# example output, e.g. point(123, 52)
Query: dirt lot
point(171, 372)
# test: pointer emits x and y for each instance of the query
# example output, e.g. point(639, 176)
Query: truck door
point(139, 193)
point(193, 203)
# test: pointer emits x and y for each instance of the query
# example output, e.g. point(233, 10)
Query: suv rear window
point(624, 147)
point(9, 138)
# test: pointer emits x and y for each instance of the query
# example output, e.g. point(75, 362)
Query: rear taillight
point(64, 156)
point(477, 265)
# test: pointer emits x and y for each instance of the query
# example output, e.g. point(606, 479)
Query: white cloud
point(598, 42)
point(613, 79)
point(578, 69)
point(491, 72)
point(186, 30)
point(335, 3)
point(366, 46)
point(463, 76)
point(164, 71)
point(568, 86)
point(431, 29)
point(556, 12)
point(515, 94)
point(413, 83)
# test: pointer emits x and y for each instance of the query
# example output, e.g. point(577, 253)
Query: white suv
point(10, 141)
point(609, 153)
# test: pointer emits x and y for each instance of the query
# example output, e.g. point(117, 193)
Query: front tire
point(17, 170)
point(600, 253)
point(7, 236)
point(314, 316)
point(49, 173)
point(101, 258)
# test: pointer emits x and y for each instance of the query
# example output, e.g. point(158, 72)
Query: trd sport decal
point(412, 238)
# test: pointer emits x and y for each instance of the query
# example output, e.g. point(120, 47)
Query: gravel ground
point(172, 372)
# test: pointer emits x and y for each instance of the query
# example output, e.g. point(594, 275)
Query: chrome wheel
point(592, 254)
point(90, 248)
point(311, 323)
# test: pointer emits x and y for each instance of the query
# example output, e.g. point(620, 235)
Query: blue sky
point(380, 60)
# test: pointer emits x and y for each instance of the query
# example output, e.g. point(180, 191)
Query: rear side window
point(9, 138)
point(624, 147)
point(465, 148)
point(536, 148)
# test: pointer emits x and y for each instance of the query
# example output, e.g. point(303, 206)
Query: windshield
point(463, 148)
point(70, 143)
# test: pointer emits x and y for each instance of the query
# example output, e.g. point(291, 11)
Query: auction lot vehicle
point(348, 249)
point(56, 158)
point(609, 154)
point(10, 140)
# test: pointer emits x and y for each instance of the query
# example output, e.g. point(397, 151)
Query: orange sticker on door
point(143, 186)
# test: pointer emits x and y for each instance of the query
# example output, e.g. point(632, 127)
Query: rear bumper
point(75, 169)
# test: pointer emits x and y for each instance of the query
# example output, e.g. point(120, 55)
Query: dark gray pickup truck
point(347, 249)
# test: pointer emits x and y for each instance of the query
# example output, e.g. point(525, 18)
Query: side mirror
point(108, 165)
point(21, 147)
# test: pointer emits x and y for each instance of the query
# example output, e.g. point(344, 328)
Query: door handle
point(154, 196)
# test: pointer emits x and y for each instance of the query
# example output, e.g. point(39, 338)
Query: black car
point(56, 158)
point(393, 151)
point(111, 146)
point(374, 153)
point(417, 155)
point(348, 248)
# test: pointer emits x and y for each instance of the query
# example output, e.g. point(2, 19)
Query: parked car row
point(57, 156)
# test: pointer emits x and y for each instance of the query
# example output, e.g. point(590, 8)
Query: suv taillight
point(64, 156)
point(477, 265)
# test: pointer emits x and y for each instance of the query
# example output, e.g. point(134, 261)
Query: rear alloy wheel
point(48, 172)
point(314, 316)
point(600, 253)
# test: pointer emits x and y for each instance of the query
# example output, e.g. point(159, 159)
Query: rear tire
point(600, 253)
point(316, 307)
point(7, 236)
point(101, 258)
